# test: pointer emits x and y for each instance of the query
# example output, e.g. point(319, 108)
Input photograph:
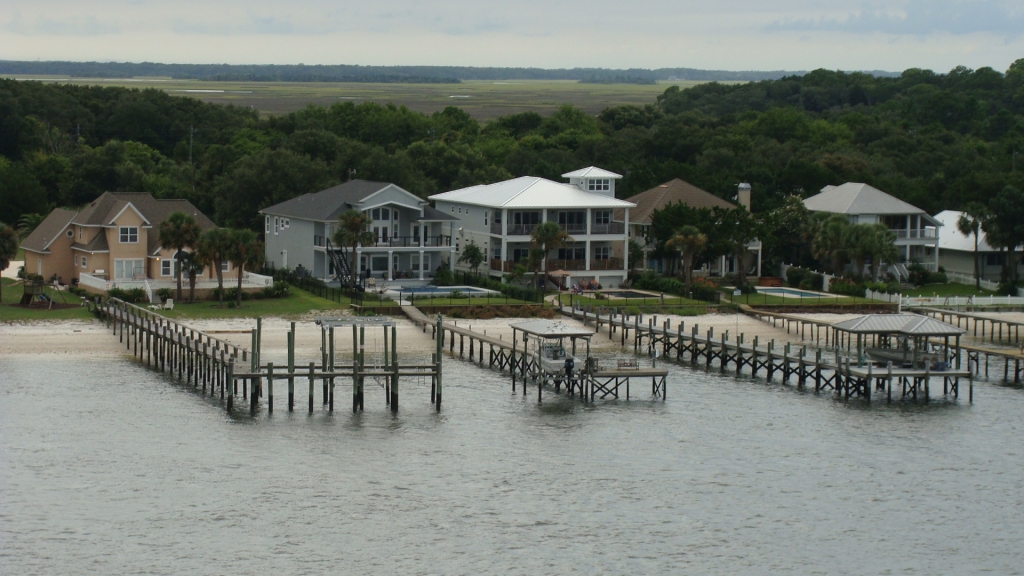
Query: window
point(485, 217)
point(267, 228)
point(71, 234)
point(467, 211)
point(994, 259)
point(599, 184)
point(225, 266)
point(574, 253)
point(460, 209)
point(575, 220)
point(375, 214)
point(520, 254)
point(287, 222)
point(79, 232)
point(83, 261)
point(167, 267)
point(277, 224)
point(497, 216)
point(602, 253)
point(526, 218)
point(453, 209)
point(129, 234)
point(602, 217)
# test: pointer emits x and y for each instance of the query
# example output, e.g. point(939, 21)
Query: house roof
point(908, 324)
point(953, 239)
point(857, 198)
point(591, 172)
point(431, 214)
point(97, 244)
point(530, 192)
point(48, 230)
point(327, 204)
point(670, 192)
point(552, 329)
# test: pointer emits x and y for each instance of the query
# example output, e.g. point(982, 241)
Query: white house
point(410, 238)
point(917, 233)
point(956, 250)
point(500, 218)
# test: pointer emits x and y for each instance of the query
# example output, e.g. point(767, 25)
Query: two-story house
point(501, 217)
point(917, 233)
point(410, 239)
point(113, 241)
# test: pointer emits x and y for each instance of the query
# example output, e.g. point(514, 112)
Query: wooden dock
point(971, 320)
point(832, 370)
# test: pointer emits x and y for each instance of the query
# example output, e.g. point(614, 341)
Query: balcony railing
point(606, 264)
point(319, 241)
point(410, 242)
point(496, 228)
point(521, 229)
point(915, 233)
point(568, 265)
point(574, 228)
point(609, 228)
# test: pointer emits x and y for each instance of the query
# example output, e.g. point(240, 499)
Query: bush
point(456, 294)
point(443, 276)
point(165, 293)
point(795, 276)
point(133, 296)
point(846, 287)
point(700, 289)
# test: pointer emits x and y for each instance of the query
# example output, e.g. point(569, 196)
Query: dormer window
point(599, 184)
point(129, 234)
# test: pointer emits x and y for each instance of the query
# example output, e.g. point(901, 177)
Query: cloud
point(920, 18)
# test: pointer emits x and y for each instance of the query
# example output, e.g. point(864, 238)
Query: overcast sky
point(723, 34)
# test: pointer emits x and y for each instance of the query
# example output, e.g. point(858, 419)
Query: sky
point(724, 34)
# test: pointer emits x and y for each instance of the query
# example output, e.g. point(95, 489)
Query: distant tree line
point(352, 73)
point(939, 141)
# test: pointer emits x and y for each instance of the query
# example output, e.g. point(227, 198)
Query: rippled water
point(114, 469)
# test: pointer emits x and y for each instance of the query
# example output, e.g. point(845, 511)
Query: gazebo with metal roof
point(913, 332)
point(551, 330)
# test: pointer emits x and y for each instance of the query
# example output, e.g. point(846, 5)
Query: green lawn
point(950, 289)
point(768, 300)
point(475, 301)
point(297, 303)
point(564, 299)
point(12, 295)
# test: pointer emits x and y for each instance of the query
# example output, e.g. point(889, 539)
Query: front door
point(128, 269)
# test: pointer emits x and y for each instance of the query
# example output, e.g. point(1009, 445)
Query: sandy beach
point(93, 338)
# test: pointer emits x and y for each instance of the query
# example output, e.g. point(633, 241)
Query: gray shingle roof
point(908, 324)
point(857, 198)
point(51, 227)
point(97, 244)
point(326, 204)
point(670, 192)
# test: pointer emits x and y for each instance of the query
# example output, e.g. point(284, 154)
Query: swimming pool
point(439, 290)
point(793, 293)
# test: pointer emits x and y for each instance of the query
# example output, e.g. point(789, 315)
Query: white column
point(589, 220)
point(391, 257)
point(421, 264)
point(625, 254)
point(587, 254)
point(759, 249)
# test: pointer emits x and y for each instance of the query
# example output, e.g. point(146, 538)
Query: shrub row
point(700, 289)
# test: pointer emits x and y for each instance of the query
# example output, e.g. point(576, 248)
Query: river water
point(106, 467)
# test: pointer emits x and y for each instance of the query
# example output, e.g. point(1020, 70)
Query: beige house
point(115, 241)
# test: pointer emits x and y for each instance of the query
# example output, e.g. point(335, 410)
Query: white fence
point(969, 280)
point(902, 300)
point(254, 279)
point(249, 280)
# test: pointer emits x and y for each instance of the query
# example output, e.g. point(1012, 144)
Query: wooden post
point(270, 387)
point(291, 370)
point(362, 367)
point(355, 368)
point(394, 387)
point(312, 373)
point(231, 378)
point(328, 386)
point(437, 367)
point(253, 396)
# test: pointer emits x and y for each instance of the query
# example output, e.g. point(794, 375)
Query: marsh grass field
point(482, 99)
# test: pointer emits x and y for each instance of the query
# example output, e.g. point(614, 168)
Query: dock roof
point(906, 324)
point(552, 329)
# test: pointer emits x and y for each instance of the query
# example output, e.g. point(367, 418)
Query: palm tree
point(8, 250)
point(246, 252)
point(881, 246)
point(353, 230)
point(548, 236)
point(970, 222)
point(191, 265)
point(688, 241)
point(29, 222)
point(829, 243)
point(213, 249)
point(178, 231)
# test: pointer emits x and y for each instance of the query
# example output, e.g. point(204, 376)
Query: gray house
point(411, 239)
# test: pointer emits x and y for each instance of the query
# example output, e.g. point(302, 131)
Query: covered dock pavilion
point(912, 347)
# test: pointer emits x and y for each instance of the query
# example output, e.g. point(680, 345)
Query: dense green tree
point(969, 224)
point(547, 236)
point(472, 256)
point(213, 249)
point(244, 251)
point(8, 249)
point(688, 242)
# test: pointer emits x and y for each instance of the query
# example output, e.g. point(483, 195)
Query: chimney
point(743, 195)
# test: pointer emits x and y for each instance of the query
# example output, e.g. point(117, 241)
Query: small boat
point(552, 358)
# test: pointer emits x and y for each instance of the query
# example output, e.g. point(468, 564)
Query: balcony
point(914, 233)
point(574, 228)
point(319, 241)
point(438, 241)
point(567, 265)
point(607, 264)
point(609, 228)
point(521, 229)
